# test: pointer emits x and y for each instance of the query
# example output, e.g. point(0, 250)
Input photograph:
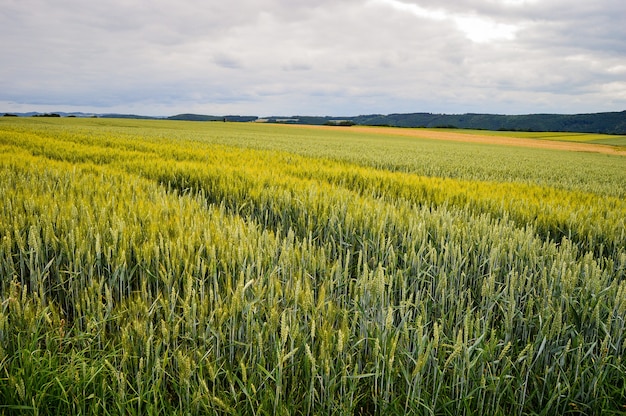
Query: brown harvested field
point(486, 139)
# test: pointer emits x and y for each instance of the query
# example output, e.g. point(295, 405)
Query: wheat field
point(161, 267)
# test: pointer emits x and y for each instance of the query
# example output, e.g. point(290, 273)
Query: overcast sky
point(313, 57)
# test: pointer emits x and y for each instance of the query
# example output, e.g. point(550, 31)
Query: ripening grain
point(210, 268)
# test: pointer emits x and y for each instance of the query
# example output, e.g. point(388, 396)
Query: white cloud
point(617, 69)
point(482, 30)
point(324, 57)
point(476, 28)
point(434, 14)
point(518, 3)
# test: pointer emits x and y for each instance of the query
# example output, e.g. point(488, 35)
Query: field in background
point(153, 267)
point(612, 140)
point(575, 142)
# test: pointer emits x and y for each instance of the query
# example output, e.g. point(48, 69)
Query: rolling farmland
point(155, 267)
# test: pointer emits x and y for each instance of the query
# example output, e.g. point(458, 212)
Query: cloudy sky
point(313, 57)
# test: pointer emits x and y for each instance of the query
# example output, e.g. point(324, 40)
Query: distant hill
point(132, 116)
point(195, 117)
point(200, 117)
point(608, 123)
point(51, 114)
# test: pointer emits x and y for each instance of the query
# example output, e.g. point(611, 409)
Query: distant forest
point(607, 123)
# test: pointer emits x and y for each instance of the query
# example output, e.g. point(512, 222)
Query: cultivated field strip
point(146, 275)
point(573, 142)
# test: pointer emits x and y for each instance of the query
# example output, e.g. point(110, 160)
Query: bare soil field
point(486, 139)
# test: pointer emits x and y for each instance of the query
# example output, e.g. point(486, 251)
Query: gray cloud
point(326, 57)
